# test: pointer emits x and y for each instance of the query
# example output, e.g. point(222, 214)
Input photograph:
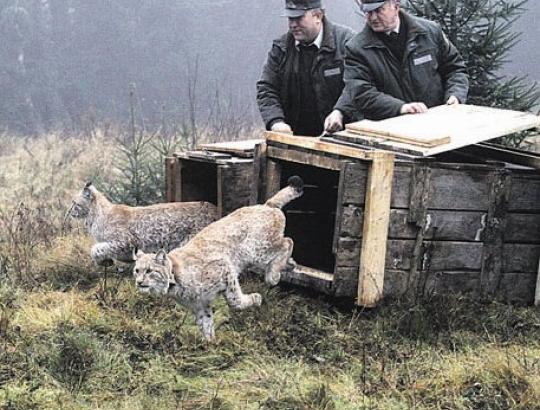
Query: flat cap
point(297, 8)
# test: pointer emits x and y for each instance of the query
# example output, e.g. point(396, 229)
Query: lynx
point(119, 229)
point(209, 265)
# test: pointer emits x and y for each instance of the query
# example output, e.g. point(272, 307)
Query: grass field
point(73, 336)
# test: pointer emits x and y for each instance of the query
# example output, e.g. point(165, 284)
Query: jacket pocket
point(424, 67)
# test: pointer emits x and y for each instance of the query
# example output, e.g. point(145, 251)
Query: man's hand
point(334, 121)
point(452, 100)
point(281, 126)
point(413, 108)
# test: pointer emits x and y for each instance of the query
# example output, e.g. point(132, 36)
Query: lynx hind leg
point(101, 254)
point(280, 262)
point(236, 298)
point(204, 317)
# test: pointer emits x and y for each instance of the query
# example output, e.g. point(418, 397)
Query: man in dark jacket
point(303, 75)
point(399, 64)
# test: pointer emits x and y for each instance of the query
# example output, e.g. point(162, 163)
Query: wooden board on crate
point(441, 129)
point(238, 148)
point(405, 129)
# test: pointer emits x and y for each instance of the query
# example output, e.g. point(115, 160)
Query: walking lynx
point(119, 229)
point(209, 265)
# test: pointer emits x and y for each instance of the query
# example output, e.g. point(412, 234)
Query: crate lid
point(441, 129)
point(244, 148)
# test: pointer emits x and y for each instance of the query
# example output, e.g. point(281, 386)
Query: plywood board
point(413, 132)
point(464, 124)
point(239, 148)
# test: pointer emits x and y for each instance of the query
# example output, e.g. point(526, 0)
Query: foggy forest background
point(71, 64)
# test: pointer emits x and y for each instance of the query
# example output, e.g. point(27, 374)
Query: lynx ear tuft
point(161, 257)
point(88, 190)
point(134, 253)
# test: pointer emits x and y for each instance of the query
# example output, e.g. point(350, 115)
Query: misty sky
point(63, 62)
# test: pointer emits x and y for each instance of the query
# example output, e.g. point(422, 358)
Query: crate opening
point(311, 218)
point(199, 181)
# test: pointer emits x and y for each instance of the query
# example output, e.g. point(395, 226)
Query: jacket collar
point(369, 39)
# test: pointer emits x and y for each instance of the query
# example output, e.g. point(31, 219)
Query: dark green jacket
point(377, 84)
point(278, 88)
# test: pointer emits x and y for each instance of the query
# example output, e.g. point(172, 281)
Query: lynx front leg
point(204, 317)
point(280, 262)
point(236, 298)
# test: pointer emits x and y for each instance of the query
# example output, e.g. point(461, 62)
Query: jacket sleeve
point(453, 70)
point(268, 89)
point(360, 97)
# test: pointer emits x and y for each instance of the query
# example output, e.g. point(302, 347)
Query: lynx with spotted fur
point(209, 265)
point(119, 229)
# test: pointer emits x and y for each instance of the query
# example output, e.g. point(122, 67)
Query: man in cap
point(303, 75)
point(398, 64)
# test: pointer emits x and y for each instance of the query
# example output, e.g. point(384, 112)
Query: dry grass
point(70, 340)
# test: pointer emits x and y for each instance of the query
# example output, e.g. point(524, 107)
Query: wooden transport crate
point(469, 226)
point(382, 216)
point(222, 179)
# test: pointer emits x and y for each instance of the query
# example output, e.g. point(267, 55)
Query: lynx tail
point(293, 190)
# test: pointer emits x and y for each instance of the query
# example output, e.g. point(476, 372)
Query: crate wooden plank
point(521, 258)
point(524, 193)
point(309, 277)
point(172, 179)
point(450, 255)
point(303, 158)
point(243, 148)
point(537, 292)
point(459, 189)
point(501, 153)
point(464, 226)
point(234, 186)
point(465, 124)
point(515, 287)
point(315, 144)
point(396, 282)
point(375, 233)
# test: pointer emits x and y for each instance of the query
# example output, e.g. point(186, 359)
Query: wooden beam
point(258, 187)
point(419, 194)
point(244, 148)
point(493, 234)
point(273, 178)
point(171, 178)
point(315, 144)
point(376, 220)
point(485, 150)
point(309, 277)
point(306, 158)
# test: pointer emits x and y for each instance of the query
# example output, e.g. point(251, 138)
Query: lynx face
point(152, 272)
